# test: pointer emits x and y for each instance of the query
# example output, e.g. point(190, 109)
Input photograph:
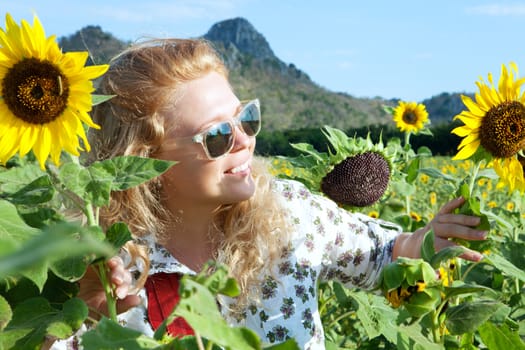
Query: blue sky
point(410, 50)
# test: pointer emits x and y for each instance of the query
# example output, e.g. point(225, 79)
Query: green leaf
point(436, 174)
point(129, 171)
point(9, 338)
point(49, 246)
point(343, 300)
point(15, 178)
point(118, 234)
point(392, 276)
point(505, 266)
point(109, 335)
point(290, 344)
point(446, 254)
point(500, 337)
point(98, 99)
point(468, 316)
point(464, 191)
point(37, 316)
point(13, 230)
point(427, 248)
point(374, 314)
point(199, 308)
point(412, 337)
point(72, 267)
point(336, 137)
point(412, 170)
point(217, 281)
point(310, 150)
point(38, 191)
point(75, 178)
point(5, 313)
point(460, 288)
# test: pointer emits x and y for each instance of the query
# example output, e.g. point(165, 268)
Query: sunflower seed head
point(358, 180)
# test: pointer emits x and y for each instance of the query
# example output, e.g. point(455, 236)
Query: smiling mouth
point(240, 168)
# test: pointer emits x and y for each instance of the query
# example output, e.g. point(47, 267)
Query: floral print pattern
point(328, 243)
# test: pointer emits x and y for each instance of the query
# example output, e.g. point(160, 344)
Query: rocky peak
point(241, 34)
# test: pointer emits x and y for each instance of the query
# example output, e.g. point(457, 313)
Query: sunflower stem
point(407, 138)
point(474, 175)
point(90, 215)
point(435, 320)
point(111, 301)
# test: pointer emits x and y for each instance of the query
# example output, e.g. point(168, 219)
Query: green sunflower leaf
point(505, 266)
point(5, 313)
point(48, 247)
point(35, 318)
point(468, 316)
point(500, 337)
point(309, 149)
point(38, 191)
point(14, 179)
point(13, 230)
point(118, 234)
point(427, 248)
point(461, 288)
point(436, 174)
point(199, 308)
point(109, 335)
point(129, 171)
point(412, 170)
point(446, 254)
point(98, 99)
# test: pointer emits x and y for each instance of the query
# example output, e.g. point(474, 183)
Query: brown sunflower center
point(502, 130)
point(35, 91)
point(409, 117)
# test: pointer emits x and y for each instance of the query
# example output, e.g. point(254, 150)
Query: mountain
point(290, 99)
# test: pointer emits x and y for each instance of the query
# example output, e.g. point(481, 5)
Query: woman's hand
point(445, 225)
point(92, 292)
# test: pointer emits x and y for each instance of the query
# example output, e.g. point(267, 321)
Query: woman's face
point(195, 179)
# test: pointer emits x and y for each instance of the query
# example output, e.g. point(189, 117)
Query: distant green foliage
point(441, 142)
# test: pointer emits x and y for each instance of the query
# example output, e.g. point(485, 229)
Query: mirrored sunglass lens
point(219, 139)
point(251, 119)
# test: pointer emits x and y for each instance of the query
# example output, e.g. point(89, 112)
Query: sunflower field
point(466, 305)
point(438, 301)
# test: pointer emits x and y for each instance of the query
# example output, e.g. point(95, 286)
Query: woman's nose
point(241, 139)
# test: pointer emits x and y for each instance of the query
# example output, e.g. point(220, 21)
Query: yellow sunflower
point(45, 94)
point(410, 116)
point(496, 119)
point(510, 172)
point(495, 124)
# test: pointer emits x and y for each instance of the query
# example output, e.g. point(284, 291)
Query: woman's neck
point(189, 237)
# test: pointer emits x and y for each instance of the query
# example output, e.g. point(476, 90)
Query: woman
point(173, 102)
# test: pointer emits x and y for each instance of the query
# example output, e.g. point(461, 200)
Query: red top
point(162, 290)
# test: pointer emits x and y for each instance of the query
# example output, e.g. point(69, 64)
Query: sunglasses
point(218, 139)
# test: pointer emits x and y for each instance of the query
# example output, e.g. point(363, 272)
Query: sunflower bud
point(411, 283)
point(358, 180)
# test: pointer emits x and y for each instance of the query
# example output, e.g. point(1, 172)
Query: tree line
point(441, 142)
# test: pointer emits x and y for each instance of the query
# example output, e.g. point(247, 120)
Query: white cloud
point(498, 10)
point(346, 65)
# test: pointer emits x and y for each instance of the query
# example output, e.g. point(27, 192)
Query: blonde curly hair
point(143, 79)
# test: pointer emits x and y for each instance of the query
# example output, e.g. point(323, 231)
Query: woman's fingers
point(459, 231)
point(472, 255)
point(120, 277)
point(446, 224)
point(451, 205)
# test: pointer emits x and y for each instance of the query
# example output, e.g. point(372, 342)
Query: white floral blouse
point(328, 243)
